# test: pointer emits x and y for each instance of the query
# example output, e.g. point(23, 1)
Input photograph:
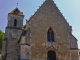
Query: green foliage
point(2, 35)
point(0, 51)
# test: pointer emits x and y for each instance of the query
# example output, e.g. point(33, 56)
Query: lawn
point(0, 55)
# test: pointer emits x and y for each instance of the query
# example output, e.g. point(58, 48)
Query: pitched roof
point(30, 17)
point(19, 13)
point(47, 4)
point(23, 26)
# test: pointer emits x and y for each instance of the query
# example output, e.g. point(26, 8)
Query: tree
point(2, 36)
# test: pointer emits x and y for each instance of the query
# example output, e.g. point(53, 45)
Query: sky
point(70, 9)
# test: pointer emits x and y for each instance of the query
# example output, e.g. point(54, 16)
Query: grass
point(0, 55)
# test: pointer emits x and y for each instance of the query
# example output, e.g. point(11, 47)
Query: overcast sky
point(69, 8)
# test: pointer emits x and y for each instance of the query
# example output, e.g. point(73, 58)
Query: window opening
point(15, 22)
point(50, 35)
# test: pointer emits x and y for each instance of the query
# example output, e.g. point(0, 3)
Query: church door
point(51, 55)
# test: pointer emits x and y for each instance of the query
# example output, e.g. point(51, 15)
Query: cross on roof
point(17, 5)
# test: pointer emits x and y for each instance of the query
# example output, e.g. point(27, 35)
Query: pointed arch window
point(15, 22)
point(50, 35)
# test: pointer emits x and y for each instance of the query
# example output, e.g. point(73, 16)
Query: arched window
point(50, 35)
point(15, 22)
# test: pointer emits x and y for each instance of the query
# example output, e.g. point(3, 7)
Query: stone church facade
point(46, 36)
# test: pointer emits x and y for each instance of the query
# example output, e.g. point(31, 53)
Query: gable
point(16, 11)
point(48, 13)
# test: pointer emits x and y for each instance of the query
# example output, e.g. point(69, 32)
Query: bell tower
point(13, 33)
point(15, 19)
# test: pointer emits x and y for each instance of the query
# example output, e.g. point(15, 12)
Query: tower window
point(50, 35)
point(15, 22)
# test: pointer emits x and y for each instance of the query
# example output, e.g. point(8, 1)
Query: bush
point(2, 35)
point(0, 51)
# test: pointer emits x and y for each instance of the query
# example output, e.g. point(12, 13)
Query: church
point(45, 36)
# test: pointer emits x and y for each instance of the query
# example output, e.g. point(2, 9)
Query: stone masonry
point(30, 42)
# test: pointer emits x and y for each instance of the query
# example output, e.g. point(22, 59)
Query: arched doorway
point(51, 55)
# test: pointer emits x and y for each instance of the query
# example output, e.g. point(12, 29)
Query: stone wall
point(25, 52)
point(75, 54)
point(11, 21)
point(49, 16)
point(13, 45)
point(34, 44)
point(73, 42)
point(25, 45)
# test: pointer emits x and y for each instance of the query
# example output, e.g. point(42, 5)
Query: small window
point(15, 22)
point(50, 35)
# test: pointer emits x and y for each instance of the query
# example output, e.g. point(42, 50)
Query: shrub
point(2, 35)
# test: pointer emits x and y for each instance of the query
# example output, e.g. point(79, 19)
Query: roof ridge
point(40, 7)
point(36, 11)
